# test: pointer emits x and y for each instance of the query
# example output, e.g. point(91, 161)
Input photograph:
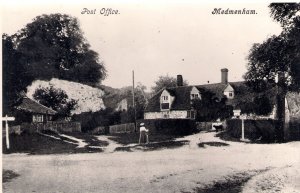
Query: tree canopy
point(56, 99)
point(15, 76)
point(51, 46)
point(210, 108)
point(278, 53)
point(165, 81)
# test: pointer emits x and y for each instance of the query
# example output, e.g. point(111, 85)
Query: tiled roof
point(181, 99)
point(243, 94)
point(32, 106)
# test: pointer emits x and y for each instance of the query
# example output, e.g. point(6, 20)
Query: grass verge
point(8, 175)
point(37, 144)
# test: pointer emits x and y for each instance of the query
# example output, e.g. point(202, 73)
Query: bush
point(294, 129)
point(176, 127)
point(91, 120)
point(254, 129)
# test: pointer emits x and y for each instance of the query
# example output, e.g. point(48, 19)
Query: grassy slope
point(37, 144)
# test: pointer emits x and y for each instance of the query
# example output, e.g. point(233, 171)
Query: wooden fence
point(123, 128)
point(58, 126)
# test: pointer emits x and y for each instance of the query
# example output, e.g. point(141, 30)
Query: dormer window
point(165, 100)
point(195, 94)
point(229, 92)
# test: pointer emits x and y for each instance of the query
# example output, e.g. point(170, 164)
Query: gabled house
point(176, 102)
point(30, 111)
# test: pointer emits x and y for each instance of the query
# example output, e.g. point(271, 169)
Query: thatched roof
point(31, 106)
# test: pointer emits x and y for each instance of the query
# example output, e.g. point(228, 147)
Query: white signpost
point(243, 130)
point(237, 114)
point(6, 119)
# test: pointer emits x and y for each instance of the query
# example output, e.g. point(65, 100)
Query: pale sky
point(160, 38)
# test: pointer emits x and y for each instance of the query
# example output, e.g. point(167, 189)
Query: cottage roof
point(32, 106)
point(243, 94)
point(181, 99)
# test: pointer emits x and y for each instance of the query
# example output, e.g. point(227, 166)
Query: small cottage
point(30, 111)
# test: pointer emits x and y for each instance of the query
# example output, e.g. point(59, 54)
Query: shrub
point(254, 129)
point(176, 127)
point(91, 120)
point(294, 129)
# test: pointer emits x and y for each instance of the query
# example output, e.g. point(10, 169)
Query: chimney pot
point(179, 80)
point(224, 75)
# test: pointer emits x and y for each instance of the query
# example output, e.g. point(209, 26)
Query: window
point(194, 96)
point(191, 114)
point(37, 118)
point(230, 95)
point(165, 98)
point(165, 106)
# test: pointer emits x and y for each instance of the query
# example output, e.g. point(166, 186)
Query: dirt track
point(173, 170)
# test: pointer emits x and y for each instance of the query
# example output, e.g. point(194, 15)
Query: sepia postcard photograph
point(150, 96)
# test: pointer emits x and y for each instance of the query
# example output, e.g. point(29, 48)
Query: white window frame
point(189, 114)
point(165, 98)
point(38, 118)
point(195, 96)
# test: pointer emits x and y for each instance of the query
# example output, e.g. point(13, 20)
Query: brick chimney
point(224, 75)
point(179, 80)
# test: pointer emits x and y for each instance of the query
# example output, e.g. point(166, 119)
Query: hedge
point(294, 129)
point(177, 127)
point(254, 129)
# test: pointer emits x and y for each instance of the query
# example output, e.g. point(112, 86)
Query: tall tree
point(278, 55)
point(15, 76)
point(54, 46)
point(165, 81)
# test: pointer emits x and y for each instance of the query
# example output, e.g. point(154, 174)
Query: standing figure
point(143, 134)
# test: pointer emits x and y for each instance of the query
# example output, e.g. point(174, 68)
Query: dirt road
point(171, 170)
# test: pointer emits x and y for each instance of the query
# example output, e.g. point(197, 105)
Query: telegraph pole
point(281, 133)
point(133, 101)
